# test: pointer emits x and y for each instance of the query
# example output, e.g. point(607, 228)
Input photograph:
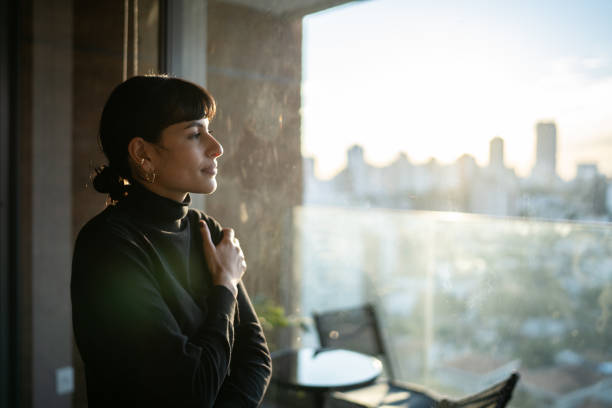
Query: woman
point(160, 315)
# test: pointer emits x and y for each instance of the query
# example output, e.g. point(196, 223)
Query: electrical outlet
point(64, 380)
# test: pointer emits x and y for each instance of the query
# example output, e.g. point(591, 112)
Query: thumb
point(209, 247)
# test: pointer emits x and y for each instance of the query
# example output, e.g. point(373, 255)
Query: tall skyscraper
point(546, 151)
point(354, 156)
point(496, 153)
point(357, 170)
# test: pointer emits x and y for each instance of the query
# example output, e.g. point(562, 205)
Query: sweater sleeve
point(251, 366)
point(128, 337)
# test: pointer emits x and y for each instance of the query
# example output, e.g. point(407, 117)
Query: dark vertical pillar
point(24, 197)
point(185, 24)
point(9, 289)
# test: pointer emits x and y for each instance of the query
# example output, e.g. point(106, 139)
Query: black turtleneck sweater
point(151, 327)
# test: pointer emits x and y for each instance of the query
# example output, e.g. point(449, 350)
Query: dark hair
point(143, 106)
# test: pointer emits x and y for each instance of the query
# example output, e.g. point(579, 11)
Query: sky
point(441, 78)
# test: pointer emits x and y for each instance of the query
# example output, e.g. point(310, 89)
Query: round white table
point(323, 370)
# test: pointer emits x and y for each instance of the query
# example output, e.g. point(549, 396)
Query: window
point(456, 174)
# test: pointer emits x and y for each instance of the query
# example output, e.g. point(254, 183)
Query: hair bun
point(108, 181)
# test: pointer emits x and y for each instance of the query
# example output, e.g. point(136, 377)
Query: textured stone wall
point(254, 71)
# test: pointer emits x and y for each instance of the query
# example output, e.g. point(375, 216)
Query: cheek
point(183, 160)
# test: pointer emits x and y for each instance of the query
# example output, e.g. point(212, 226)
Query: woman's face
point(185, 160)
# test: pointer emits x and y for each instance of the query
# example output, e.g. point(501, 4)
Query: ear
point(140, 153)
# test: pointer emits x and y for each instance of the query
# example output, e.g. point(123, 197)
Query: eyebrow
point(194, 123)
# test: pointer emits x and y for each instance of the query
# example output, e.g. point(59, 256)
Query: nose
point(214, 148)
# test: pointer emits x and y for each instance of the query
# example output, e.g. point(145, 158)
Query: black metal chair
point(496, 396)
point(358, 329)
point(353, 329)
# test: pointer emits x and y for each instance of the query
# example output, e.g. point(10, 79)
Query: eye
point(195, 135)
point(210, 131)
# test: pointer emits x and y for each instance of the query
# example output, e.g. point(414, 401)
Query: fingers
point(242, 260)
point(228, 242)
point(228, 234)
point(230, 237)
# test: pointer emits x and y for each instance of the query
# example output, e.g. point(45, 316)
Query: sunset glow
point(405, 76)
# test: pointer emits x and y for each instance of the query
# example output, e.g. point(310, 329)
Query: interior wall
point(254, 71)
point(45, 181)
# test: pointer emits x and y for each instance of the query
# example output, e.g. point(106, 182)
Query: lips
point(211, 170)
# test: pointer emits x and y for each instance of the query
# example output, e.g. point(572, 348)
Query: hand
point(225, 261)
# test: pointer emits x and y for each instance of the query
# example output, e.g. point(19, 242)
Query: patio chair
point(353, 329)
point(496, 396)
point(358, 329)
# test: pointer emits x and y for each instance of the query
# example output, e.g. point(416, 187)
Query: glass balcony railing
point(465, 299)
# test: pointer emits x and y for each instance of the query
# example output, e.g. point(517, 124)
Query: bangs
point(181, 101)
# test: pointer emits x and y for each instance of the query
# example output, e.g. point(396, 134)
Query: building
point(545, 169)
point(496, 153)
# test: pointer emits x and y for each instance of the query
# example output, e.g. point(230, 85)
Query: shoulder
point(108, 237)
point(109, 249)
point(111, 222)
point(216, 230)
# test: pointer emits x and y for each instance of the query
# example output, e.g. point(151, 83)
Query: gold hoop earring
point(150, 177)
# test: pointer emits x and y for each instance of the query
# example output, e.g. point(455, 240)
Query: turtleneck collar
point(153, 207)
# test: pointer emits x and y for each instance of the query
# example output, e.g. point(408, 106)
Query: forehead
point(185, 125)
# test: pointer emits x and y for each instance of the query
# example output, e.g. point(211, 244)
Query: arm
point(251, 365)
point(128, 337)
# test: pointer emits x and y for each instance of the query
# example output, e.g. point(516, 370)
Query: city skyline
point(465, 186)
point(544, 157)
point(440, 80)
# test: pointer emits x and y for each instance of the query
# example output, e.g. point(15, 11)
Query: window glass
point(456, 175)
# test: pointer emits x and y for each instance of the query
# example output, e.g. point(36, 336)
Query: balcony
point(465, 299)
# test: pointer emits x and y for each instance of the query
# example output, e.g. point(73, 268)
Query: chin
point(208, 189)
point(206, 185)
